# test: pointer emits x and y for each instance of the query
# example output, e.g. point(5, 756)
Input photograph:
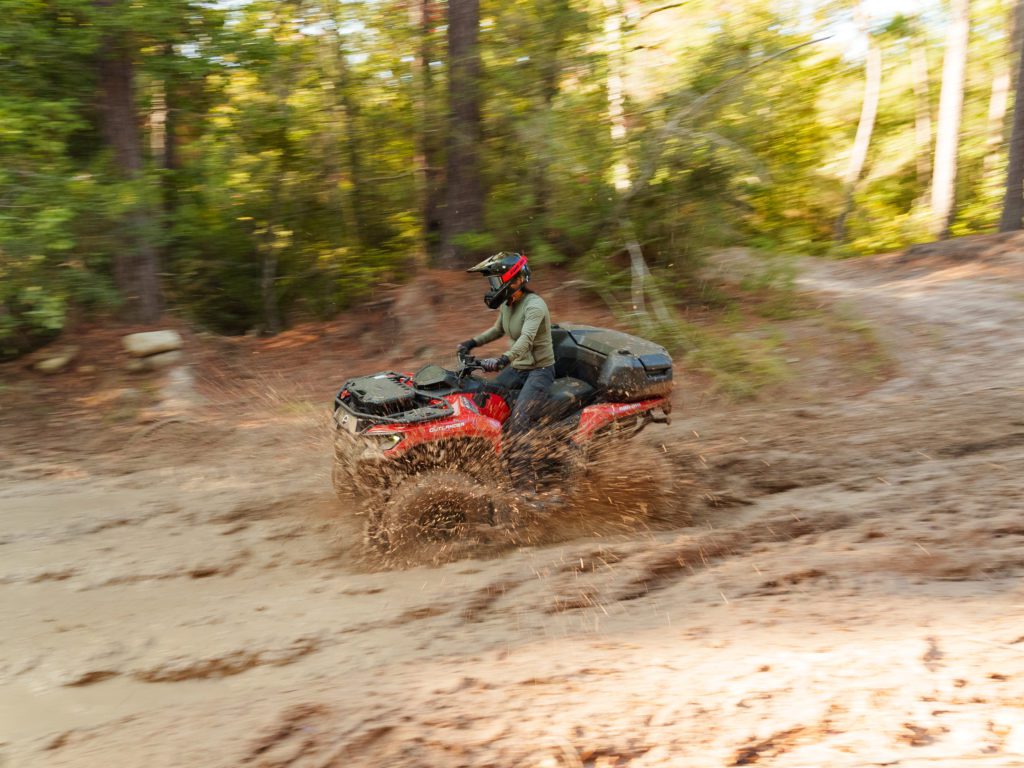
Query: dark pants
point(520, 448)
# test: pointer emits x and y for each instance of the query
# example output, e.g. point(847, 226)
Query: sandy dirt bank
point(846, 591)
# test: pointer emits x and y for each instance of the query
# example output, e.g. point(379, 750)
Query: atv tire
point(433, 517)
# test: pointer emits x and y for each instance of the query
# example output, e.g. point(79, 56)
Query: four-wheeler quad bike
point(420, 454)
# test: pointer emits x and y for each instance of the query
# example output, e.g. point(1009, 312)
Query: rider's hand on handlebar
point(492, 364)
point(465, 347)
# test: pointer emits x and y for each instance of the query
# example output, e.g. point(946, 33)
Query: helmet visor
point(494, 281)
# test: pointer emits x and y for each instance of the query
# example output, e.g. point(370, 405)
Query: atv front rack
point(428, 407)
point(415, 416)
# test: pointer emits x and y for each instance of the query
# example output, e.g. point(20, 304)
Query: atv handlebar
point(469, 364)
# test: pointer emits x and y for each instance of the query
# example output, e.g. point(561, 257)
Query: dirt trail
point(848, 593)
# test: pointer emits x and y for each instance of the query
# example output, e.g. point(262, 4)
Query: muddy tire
point(432, 517)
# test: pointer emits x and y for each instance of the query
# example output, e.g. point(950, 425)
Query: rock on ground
point(56, 363)
point(152, 343)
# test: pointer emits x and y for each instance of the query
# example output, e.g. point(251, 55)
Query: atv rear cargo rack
point(622, 367)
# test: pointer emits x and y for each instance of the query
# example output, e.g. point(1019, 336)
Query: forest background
point(248, 164)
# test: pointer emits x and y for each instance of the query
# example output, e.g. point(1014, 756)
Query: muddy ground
point(834, 579)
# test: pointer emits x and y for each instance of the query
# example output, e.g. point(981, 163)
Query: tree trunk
point(353, 149)
point(164, 155)
point(158, 125)
point(331, 50)
point(1013, 196)
point(169, 161)
point(539, 176)
point(948, 129)
point(640, 285)
point(277, 211)
point(464, 192)
point(620, 176)
point(997, 102)
point(922, 114)
point(550, 66)
point(862, 140)
point(429, 157)
point(268, 284)
point(268, 249)
point(616, 94)
point(345, 111)
point(136, 267)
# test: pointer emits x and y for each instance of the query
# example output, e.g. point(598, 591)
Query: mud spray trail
point(847, 591)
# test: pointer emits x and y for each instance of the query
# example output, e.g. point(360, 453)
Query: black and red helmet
point(501, 270)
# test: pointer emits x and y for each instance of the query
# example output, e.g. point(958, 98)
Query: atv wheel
point(432, 516)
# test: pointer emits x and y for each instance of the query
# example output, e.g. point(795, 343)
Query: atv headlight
point(385, 441)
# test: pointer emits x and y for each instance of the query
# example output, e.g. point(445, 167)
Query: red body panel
point(496, 408)
point(593, 417)
point(466, 422)
point(469, 421)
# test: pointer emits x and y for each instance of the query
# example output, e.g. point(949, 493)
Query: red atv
point(421, 453)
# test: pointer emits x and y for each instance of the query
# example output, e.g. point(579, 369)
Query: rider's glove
point(492, 364)
point(465, 347)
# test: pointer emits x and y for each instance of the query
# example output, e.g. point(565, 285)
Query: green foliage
point(774, 287)
point(740, 368)
point(64, 213)
point(740, 365)
point(285, 147)
point(41, 122)
point(477, 242)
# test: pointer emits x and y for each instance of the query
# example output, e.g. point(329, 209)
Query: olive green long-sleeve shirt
point(528, 324)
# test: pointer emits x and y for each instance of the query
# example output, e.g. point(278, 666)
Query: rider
point(528, 365)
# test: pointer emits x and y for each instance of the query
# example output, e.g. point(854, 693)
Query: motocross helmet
point(501, 270)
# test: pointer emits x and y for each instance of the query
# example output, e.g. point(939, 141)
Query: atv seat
point(566, 396)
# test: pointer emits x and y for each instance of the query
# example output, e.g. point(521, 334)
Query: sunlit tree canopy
point(250, 163)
